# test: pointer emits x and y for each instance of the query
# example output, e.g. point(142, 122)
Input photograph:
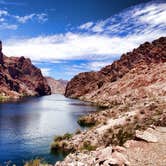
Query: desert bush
point(78, 131)
point(87, 146)
point(88, 122)
point(35, 162)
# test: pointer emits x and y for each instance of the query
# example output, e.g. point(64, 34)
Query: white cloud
point(110, 38)
point(97, 65)
point(24, 19)
point(86, 26)
point(42, 17)
point(99, 27)
point(71, 70)
point(45, 71)
point(11, 22)
point(2, 19)
point(154, 16)
point(133, 20)
point(76, 46)
point(8, 26)
point(3, 2)
point(3, 13)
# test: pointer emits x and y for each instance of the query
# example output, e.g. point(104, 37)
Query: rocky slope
point(57, 86)
point(148, 150)
point(19, 77)
point(123, 136)
point(131, 131)
point(88, 82)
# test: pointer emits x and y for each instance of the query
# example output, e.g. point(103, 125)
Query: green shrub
point(2, 98)
point(86, 123)
point(87, 146)
point(58, 138)
point(59, 144)
point(55, 146)
point(67, 136)
point(78, 131)
point(35, 162)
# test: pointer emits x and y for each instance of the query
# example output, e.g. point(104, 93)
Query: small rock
point(146, 135)
point(161, 129)
point(119, 149)
point(106, 153)
point(130, 143)
point(111, 161)
point(121, 158)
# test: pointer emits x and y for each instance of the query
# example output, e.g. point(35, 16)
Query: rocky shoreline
point(135, 117)
point(149, 150)
point(112, 132)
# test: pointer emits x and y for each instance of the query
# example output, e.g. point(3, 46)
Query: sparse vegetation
point(118, 135)
point(78, 131)
point(59, 143)
point(87, 146)
point(3, 98)
point(86, 121)
point(65, 136)
point(36, 162)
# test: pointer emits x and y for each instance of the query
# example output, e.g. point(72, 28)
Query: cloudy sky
point(65, 37)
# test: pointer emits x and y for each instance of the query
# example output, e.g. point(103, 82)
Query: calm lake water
point(28, 127)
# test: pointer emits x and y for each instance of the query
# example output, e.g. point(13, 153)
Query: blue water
point(27, 127)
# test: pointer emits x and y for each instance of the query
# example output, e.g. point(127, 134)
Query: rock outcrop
point(1, 54)
point(57, 86)
point(133, 89)
point(134, 152)
point(19, 77)
point(145, 54)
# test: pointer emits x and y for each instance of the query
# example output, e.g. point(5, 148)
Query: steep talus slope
point(19, 77)
point(145, 54)
point(57, 86)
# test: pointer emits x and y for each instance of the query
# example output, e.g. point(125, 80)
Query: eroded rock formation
point(131, 131)
point(147, 53)
point(19, 77)
point(1, 54)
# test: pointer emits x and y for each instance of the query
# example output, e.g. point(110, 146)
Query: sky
point(66, 37)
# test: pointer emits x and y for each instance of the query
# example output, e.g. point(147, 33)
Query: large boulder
point(147, 135)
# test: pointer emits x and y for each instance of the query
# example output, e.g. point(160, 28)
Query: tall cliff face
point(133, 89)
point(19, 77)
point(146, 54)
point(1, 54)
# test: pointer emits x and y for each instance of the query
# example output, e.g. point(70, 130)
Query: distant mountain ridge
point(19, 77)
point(57, 86)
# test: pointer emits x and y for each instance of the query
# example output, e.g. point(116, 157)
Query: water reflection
point(27, 127)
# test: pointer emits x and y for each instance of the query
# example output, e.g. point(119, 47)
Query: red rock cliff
point(147, 53)
point(19, 77)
